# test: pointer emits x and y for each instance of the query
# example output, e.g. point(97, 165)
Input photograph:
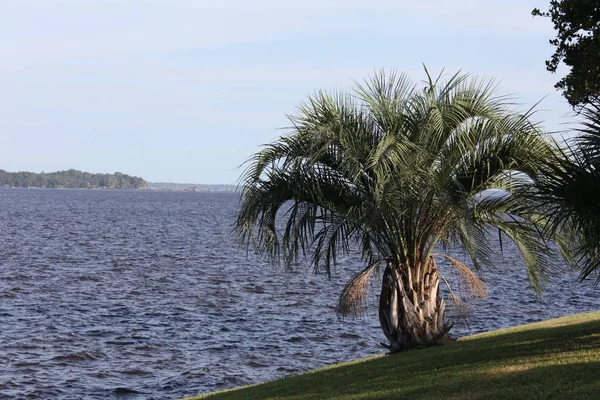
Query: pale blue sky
point(186, 90)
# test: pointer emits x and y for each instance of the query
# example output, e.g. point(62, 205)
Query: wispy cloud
point(38, 31)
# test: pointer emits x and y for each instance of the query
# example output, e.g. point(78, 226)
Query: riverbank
point(557, 359)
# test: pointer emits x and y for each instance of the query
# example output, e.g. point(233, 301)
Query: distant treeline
point(71, 179)
point(192, 186)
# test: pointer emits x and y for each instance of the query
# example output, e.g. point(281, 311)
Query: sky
point(187, 90)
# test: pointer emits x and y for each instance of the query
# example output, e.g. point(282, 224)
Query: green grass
point(556, 359)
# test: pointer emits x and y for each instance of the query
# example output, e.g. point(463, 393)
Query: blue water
point(148, 295)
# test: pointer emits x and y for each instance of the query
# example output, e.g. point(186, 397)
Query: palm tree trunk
point(411, 310)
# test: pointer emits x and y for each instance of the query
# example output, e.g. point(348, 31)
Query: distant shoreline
point(201, 189)
point(75, 179)
point(192, 187)
point(71, 178)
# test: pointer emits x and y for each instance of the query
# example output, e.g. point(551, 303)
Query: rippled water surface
point(147, 295)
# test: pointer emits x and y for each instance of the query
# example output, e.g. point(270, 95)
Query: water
point(148, 295)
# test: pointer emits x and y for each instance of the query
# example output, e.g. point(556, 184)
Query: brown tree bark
point(411, 311)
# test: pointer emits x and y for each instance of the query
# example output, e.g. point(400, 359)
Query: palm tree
point(402, 173)
point(570, 194)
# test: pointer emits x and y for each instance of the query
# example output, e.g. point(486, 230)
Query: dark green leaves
point(577, 44)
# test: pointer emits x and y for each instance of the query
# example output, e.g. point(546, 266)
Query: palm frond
point(468, 278)
point(568, 200)
point(393, 169)
point(589, 132)
point(353, 299)
point(460, 305)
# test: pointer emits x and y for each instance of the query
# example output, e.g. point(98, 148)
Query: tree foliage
point(71, 179)
point(577, 44)
point(401, 172)
point(570, 194)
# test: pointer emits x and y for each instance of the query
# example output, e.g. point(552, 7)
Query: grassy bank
point(556, 359)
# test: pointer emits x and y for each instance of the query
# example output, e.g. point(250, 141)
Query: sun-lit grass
point(556, 359)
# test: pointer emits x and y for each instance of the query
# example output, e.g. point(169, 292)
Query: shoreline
point(535, 360)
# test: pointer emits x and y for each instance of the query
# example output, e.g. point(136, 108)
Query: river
point(148, 295)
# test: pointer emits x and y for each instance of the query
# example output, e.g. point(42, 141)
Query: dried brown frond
point(353, 299)
point(460, 306)
point(468, 278)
